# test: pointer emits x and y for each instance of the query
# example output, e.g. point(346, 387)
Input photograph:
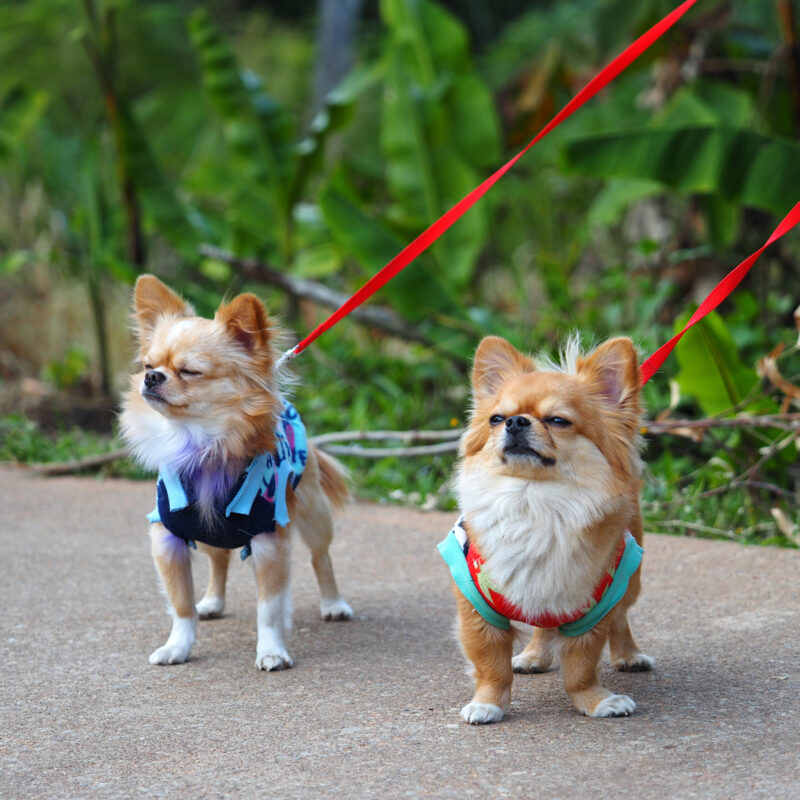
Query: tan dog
point(207, 413)
point(548, 486)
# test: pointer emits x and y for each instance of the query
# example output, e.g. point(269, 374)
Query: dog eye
point(559, 422)
point(496, 419)
point(186, 371)
point(148, 367)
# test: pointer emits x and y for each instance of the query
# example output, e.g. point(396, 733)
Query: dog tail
point(333, 479)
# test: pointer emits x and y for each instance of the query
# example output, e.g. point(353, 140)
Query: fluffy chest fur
point(545, 544)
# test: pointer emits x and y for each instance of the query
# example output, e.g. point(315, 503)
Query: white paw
point(177, 648)
point(335, 610)
point(525, 664)
point(638, 663)
point(210, 607)
point(170, 654)
point(481, 713)
point(615, 705)
point(274, 661)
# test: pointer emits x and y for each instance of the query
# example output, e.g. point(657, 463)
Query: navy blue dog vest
point(255, 504)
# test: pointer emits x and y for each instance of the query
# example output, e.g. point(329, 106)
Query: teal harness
point(455, 549)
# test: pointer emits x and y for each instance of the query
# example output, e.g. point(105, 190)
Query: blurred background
point(292, 148)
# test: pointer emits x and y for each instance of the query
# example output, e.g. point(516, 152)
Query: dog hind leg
point(538, 653)
point(213, 602)
point(312, 517)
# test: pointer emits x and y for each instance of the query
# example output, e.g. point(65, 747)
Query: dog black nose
point(516, 424)
point(153, 377)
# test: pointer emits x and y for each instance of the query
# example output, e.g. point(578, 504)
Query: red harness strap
point(546, 620)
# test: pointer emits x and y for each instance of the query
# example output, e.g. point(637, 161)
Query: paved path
point(371, 707)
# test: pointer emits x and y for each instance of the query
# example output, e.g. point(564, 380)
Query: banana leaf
point(737, 165)
point(711, 370)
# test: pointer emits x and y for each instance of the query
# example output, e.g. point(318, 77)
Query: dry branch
point(382, 436)
point(80, 464)
point(785, 422)
point(391, 452)
point(446, 441)
point(380, 317)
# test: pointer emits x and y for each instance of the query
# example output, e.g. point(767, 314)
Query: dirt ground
point(370, 709)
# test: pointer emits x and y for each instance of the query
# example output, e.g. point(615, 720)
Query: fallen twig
point(382, 436)
point(382, 318)
point(700, 528)
point(391, 452)
point(786, 422)
point(750, 484)
point(80, 464)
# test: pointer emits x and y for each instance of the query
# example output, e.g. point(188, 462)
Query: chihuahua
point(235, 468)
point(551, 531)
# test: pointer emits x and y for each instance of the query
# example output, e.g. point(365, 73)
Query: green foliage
point(20, 110)
point(199, 136)
point(737, 165)
point(711, 369)
point(69, 371)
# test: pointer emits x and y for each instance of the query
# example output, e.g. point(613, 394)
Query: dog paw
point(481, 713)
point(179, 644)
point(526, 665)
point(210, 607)
point(615, 705)
point(271, 662)
point(171, 654)
point(638, 662)
point(335, 610)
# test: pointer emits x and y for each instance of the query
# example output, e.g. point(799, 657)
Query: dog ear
point(246, 320)
point(614, 369)
point(495, 362)
point(152, 300)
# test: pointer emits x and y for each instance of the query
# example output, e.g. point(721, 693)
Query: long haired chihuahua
point(235, 468)
point(551, 531)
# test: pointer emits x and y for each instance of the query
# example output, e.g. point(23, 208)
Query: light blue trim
point(175, 493)
point(281, 510)
point(243, 501)
point(286, 464)
point(451, 551)
point(629, 563)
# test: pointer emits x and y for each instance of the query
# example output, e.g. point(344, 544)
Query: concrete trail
point(371, 708)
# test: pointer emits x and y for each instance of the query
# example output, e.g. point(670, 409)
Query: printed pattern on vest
point(255, 504)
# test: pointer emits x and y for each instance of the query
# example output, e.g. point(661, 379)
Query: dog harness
point(472, 578)
point(255, 504)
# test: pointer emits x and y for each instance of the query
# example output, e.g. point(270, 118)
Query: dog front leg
point(173, 562)
point(270, 553)
point(489, 649)
point(579, 658)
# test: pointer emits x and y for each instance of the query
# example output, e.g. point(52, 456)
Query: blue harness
point(255, 504)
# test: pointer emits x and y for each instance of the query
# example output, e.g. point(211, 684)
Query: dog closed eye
point(557, 422)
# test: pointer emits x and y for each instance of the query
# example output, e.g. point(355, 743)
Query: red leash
point(718, 294)
point(429, 236)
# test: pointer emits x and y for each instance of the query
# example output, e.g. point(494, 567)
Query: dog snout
point(153, 377)
point(517, 424)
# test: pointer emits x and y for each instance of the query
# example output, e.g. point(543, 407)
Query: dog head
point(575, 422)
point(211, 378)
